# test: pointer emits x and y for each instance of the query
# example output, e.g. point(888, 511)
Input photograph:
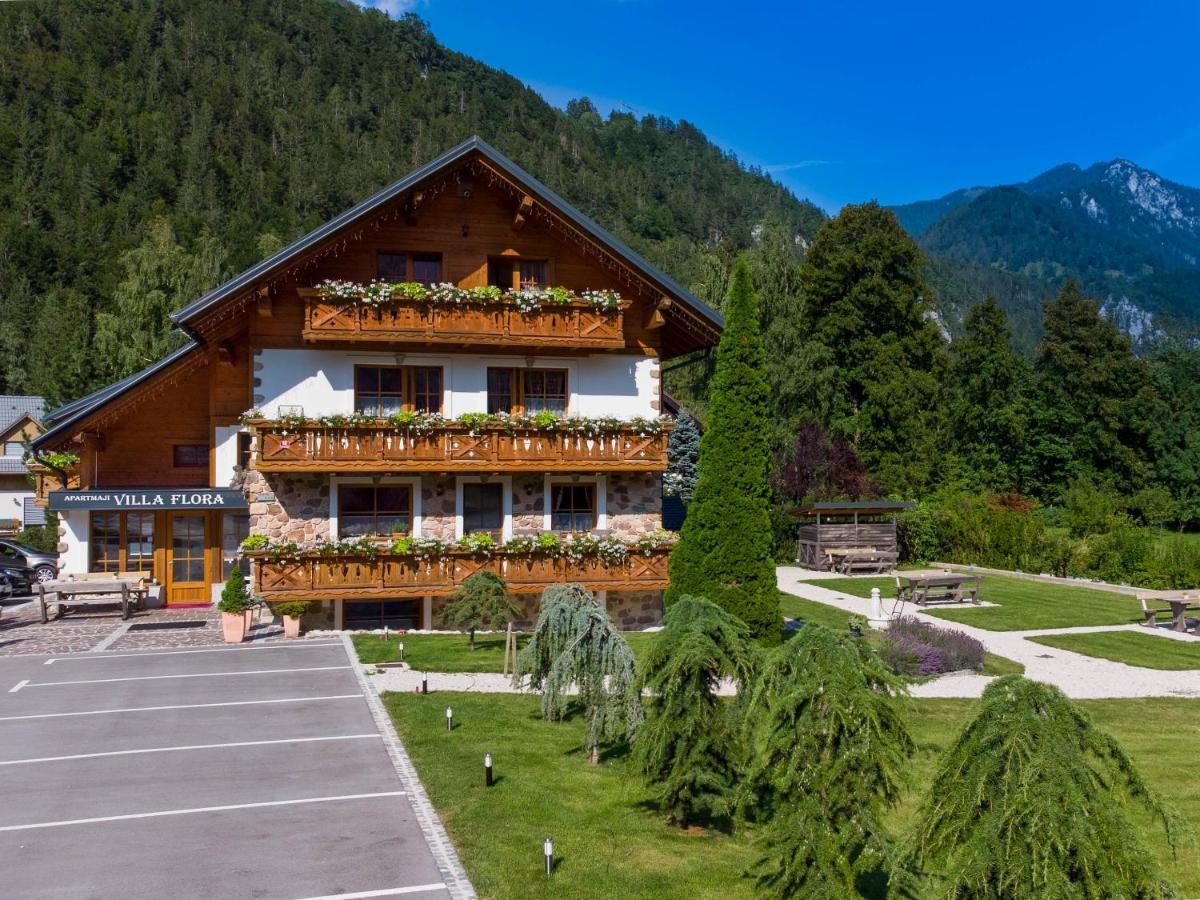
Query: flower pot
point(233, 627)
point(291, 627)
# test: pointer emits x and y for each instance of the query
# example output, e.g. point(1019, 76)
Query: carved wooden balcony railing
point(575, 325)
point(46, 480)
point(315, 577)
point(383, 448)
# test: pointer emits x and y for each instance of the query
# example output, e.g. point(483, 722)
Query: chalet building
point(461, 372)
point(20, 422)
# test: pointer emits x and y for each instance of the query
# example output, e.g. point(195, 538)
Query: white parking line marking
point(307, 740)
point(129, 709)
point(386, 892)
point(16, 687)
point(190, 675)
point(199, 809)
point(301, 645)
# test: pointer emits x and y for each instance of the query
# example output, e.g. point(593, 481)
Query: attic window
point(391, 266)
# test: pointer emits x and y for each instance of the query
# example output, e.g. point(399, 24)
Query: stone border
point(453, 874)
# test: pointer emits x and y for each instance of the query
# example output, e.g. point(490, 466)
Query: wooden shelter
point(832, 531)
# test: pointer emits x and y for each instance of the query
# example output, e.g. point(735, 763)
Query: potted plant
point(291, 610)
point(235, 607)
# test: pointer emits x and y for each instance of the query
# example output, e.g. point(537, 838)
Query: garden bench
point(873, 561)
point(941, 588)
point(89, 591)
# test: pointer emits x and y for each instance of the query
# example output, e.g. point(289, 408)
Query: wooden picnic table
point(849, 560)
point(922, 589)
point(92, 592)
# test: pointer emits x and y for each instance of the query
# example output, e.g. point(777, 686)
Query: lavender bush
point(915, 648)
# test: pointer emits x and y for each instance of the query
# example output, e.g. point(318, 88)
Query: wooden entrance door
point(187, 558)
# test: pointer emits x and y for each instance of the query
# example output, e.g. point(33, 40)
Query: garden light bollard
point(487, 769)
point(449, 719)
point(548, 850)
point(876, 607)
point(424, 683)
point(402, 651)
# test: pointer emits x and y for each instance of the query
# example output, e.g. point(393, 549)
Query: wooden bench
point(940, 588)
point(874, 562)
point(89, 591)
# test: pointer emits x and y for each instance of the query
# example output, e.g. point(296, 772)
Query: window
point(508, 273)
point(483, 508)
point(383, 390)
point(374, 614)
point(426, 388)
point(245, 441)
point(13, 448)
point(139, 543)
point(374, 509)
point(234, 529)
point(572, 507)
point(532, 272)
point(427, 268)
point(187, 547)
point(191, 456)
point(121, 542)
point(500, 396)
point(391, 267)
point(536, 390)
point(545, 390)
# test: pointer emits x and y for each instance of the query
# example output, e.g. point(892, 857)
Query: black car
point(15, 555)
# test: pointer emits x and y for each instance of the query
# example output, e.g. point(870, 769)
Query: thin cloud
point(776, 168)
point(394, 8)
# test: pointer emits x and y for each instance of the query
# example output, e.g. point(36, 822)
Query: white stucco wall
point(12, 502)
point(74, 559)
point(322, 381)
point(225, 462)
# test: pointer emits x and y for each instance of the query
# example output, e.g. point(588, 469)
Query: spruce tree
point(576, 644)
point(683, 453)
point(724, 552)
point(687, 748)
point(1029, 801)
point(482, 601)
point(829, 747)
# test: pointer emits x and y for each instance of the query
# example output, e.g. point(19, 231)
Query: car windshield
point(24, 549)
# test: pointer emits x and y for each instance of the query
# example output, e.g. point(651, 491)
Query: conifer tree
point(481, 602)
point(683, 452)
point(724, 552)
point(828, 746)
point(687, 746)
point(575, 643)
point(1029, 801)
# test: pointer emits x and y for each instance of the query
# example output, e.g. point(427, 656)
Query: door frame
point(211, 545)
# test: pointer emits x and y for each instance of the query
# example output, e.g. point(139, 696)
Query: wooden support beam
point(410, 210)
point(225, 353)
point(655, 318)
point(524, 210)
point(264, 303)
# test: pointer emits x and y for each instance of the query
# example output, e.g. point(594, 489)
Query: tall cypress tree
point(724, 552)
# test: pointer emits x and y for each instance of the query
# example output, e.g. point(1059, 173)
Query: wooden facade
point(314, 577)
point(455, 448)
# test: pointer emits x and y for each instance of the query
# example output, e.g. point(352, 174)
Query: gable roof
point(476, 144)
point(65, 417)
point(14, 407)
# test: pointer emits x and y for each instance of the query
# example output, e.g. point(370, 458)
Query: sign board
point(149, 498)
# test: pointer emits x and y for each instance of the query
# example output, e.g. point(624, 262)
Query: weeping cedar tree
point(724, 551)
point(687, 747)
point(1028, 802)
point(481, 602)
point(576, 643)
point(828, 746)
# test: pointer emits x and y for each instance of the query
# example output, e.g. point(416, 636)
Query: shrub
point(915, 648)
point(292, 609)
point(482, 601)
point(233, 597)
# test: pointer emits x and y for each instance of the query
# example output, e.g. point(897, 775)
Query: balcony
point(574, 325)
point(311, 576)
point(313, 447)
point(47, 480)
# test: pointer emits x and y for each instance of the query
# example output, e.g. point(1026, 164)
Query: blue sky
point(848, 101)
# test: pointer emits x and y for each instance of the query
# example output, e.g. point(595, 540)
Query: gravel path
point(1078, 676)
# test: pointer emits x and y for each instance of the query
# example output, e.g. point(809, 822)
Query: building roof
point(472, 145)
point(846, 507)
point(17, 406)
point(66, 416)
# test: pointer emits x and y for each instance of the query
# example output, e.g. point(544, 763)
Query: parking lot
point(214, 772)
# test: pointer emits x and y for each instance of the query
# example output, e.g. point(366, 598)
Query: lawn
point(452, 652)
point(611, 842)
point(1129, 647)
point(1023, 605)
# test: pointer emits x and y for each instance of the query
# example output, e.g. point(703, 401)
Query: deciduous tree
point(482, 601)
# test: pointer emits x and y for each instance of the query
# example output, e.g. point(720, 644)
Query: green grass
point(1023, 605)
point(452, 652)
point(1129, 647)
point(610, 840)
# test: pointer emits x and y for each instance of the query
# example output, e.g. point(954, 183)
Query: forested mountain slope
point(149, 150)
point(1129, 236)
